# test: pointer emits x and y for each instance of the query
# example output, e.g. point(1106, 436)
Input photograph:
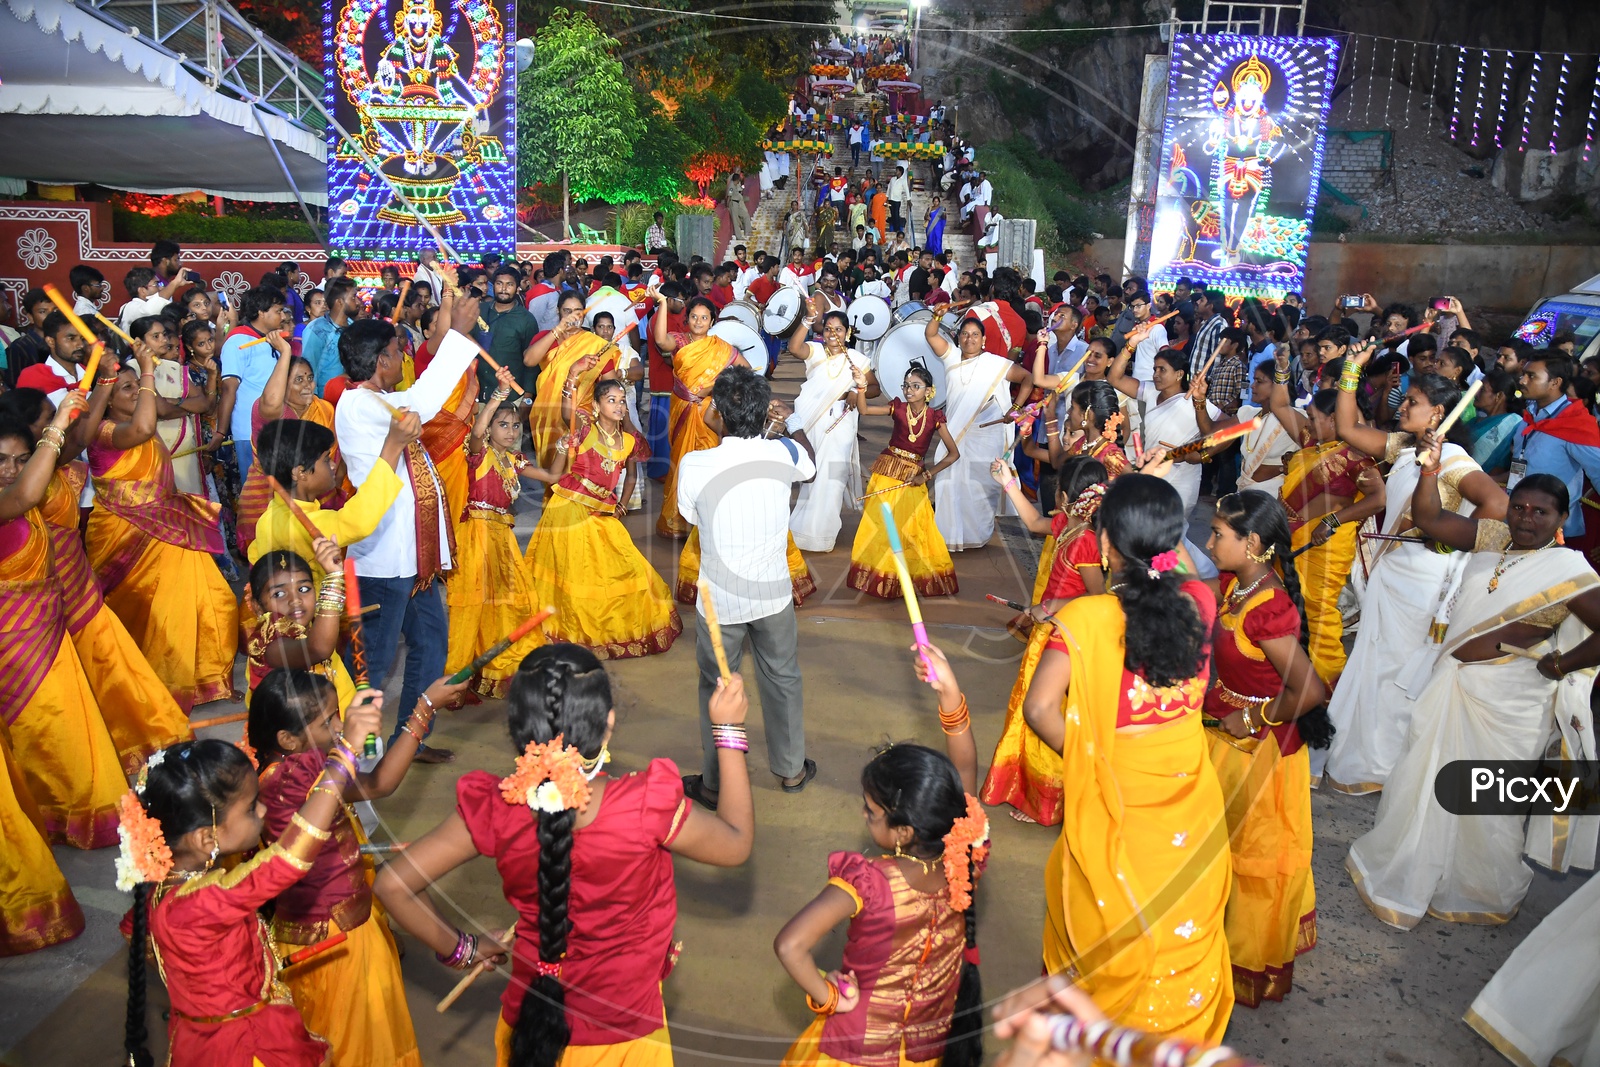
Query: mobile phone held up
point(1350, 302)
point(1442, 304)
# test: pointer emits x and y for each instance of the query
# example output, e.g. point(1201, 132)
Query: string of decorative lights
point(1388, 92)
point(1527, 104)
point(1594, 106)
point(1411, 81)
point(1561, 101)
point(1433, 87)
point(1455, 108)
point(1477, 106)
point(1505, 92)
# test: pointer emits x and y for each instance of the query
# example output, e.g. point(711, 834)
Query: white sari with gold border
point(1418, 858)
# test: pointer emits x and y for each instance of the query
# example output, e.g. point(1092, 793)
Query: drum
point(745, 311)
point(902, 346)
point(870, 317)
point(621, 308)
point(783, 311)
point(908, 309)
point(751, 345)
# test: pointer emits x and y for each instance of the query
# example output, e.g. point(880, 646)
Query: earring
point(1105, 560)
point(1264, 557)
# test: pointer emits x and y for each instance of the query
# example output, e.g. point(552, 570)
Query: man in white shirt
point(737, 494)
point(63, 368)
point(899, 194)
point(88, 290)
point(1144, 357)
point(796, 273)
point(427, 271)
point(397, 564)
point(144, 297)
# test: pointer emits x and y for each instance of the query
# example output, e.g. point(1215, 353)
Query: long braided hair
point(558, 689)
point(1250, 511)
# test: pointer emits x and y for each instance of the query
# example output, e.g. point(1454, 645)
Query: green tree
point(576, 116)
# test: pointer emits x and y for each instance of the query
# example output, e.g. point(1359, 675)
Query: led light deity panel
point(1241, 156)
point(426, 90)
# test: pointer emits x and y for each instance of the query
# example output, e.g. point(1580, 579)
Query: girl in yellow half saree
point(556, 353)
point(1136, 888)
point(697, 358)
point(67, 763)
point(151, 547)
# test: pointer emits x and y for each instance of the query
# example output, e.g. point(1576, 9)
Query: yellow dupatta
point(695, 367)
point(544, 420)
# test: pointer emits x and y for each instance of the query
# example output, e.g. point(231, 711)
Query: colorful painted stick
point(358, 643)
point(483, 354)
point(1402, 538)
point(714, 630)
point(489, 654)
point(192, 449)
point(96, 346)
point(918, 631)
point(258, 341)
point(1135, 1048)
point(1215, 438)
point(470, 977)
point(880, 492)
point(1424, 458)
point(1012, 604)
point(295, 509)
point(301, 955)
point(372, 849)
point(114, 328)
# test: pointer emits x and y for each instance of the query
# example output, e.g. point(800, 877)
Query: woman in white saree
point(1261, 453)
point(1518, 588)
point(830, 425)
point(965, 499)
point(1407, 597)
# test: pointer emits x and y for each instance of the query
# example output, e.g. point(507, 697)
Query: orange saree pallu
point(138, 710)
point(151, 547)
point(544, 418)
point(1137, 885)
point(695, 367)
point(1266, 784)
point(67, 759)
point(37, 908)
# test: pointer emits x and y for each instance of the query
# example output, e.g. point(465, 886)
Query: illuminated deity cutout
point(1245, 142)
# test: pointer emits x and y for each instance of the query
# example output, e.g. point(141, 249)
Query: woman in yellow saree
point(1328, 495)
point(151, 547)
point(1137, 885)
point(556, 353)
point(65, 757)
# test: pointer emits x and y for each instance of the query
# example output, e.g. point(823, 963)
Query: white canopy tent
point(87, 96)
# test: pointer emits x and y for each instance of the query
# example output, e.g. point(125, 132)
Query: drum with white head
point(870, 317)
point(783, 311)
point(751, 345)
point(745, 311)
point(904, 312)
point(620, 307)
point(906, 343)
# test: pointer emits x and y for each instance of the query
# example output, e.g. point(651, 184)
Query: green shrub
point(193, 227)
point(629, 223)
point(1029, 186)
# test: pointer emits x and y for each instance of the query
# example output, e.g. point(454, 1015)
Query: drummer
point(797, 274)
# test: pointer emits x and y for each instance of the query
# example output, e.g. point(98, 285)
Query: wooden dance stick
point(489, 654)
point(192, 449)
point(715, 630)
point(97, 350)
point(1402, 538)
point(880, 492)
point(295, 509)
point(918, 631)
point(358, 644)
point(483, 354)
point(1525, 653)
point(97, 347)
point(1012, 604)
point(1134, 1048)
point(114, 328)
point(1423, 458)
point(263, 339)
point(1212, 440)
point(301, 955)
point(470, 977)
point(371, 849)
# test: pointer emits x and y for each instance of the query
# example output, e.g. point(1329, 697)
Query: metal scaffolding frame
point(1273, 18)
point(217, 45)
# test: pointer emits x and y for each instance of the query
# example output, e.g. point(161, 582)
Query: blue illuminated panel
point(427, 90)
point(1241, 157)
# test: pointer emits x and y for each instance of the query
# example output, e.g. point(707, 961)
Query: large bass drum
point(783, 311)
point(870, 317)
point(904, 312)
point(751, 345)
point(902, 346)
point(621, 309)
point(745, 311)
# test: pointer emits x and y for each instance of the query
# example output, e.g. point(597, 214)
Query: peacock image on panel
point(427, 96)
point(1241, 158)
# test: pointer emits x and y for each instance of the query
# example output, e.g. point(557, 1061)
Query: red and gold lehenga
point(351, 994)
point(905, 949)
point(622, 904)
point(137, 708)
point(1115, 461)
point(1323, 470)
point(1026, 772)
point(229, 1007)
point(1266, 784)
point(64, 753)
point(489, 591)
point(584, 564)
point(872, 568)
point(151, 547)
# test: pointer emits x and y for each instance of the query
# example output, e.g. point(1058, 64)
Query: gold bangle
point(1268, 722)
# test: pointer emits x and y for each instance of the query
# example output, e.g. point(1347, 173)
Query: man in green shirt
point(511, 331)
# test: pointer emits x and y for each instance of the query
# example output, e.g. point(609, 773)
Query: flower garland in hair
point(1162, 562)
point(1113, 422)
point(1087, 502)
point(549, 777)
point(143, 855)
point(966, 843)
point(249, 750)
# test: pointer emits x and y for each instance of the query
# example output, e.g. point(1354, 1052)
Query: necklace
point(916, 423)
point(611, 448)
point(1239, 596)
point(506, 467)
point(1502, 567)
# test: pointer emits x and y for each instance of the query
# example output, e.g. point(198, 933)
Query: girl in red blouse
point(586, 860)
point(1025, 772)
point(900, 479)
point(198, 805)
point(907, 989)
point(1264, 706)
point(490, 592)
